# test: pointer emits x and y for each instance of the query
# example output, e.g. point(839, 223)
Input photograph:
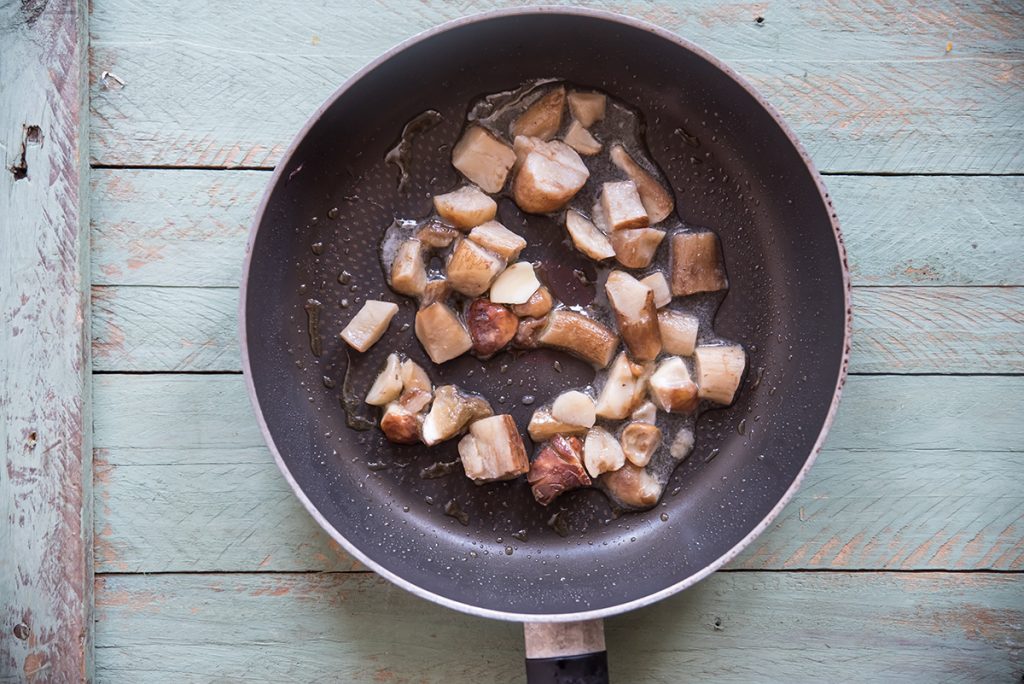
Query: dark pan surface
point(787, 304)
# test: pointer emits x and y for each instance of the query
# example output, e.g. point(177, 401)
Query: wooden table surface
point(901, 558)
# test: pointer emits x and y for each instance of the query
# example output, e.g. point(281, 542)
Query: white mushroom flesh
point(472, 269)
point(441, 333)
point(574, 408)
point(646, 412)
point(388, 385)
point(450, 413)
point(657, 200)
point(515, 285)
point(659, 286)
point(602, 453)
point(367, 326)
point(498, 239)
point(671, 387)
point(549, 177)
point(543, 118)
point(637, 317)
point(543, 427)
point(678, 332)
point(581, 140)
point(466, 207)
point(622, 207)
point(682, 444)
point(633, 487)
point(414, 377)
point(587, 238)
point(639, 442)
point(587, 108)
point(493, 450)
point(616, 398)
point(635, 248)
point(697, 264)
point(483, 159)
point(719, 370)
point(408, 272)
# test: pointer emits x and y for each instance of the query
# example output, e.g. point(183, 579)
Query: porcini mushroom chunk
point(483, 159)
point(618, 394)
point(633, 487)
point(550, 175)
point(682, 444)
point(400, 425)
point(659, 286)
point(587, 108)
point(515, 285)
point(622, 207)
point(414, 377)
point(493, 450)
point(408, 272)
point(574, 408)
point(543, 426)
point(472, 269)
point(557, 468)
point(587, 238)
point(491, 326)
point(466, 207)
point(367, 326)
point(719, 371)
point(697, 263)
point(441, 333)
point(636, 248)
point(450, 413)
point(538, 305)
point(436, 290)
point(646, 412)
point(579, 335)
point(436, 235)
point(657, 200)
point(543, 118)
point(635, 313)
point(498, 239)
point(678, 332)
point(671, 387)
point(415, 400)
point(528, 332)
point(602, 453)
point(639, 442)
point(388, 385)
point(581, 140)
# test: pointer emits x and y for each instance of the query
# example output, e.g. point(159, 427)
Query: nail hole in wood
point(21, 631)
point(33, 438)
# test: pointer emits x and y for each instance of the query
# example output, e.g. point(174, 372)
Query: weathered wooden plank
point(733, 627)
point(188, 227)
point(896, 330)
point(920, 490)
point(867, 87)
point(46, 576)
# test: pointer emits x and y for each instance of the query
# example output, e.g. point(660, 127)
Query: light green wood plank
point(733, 627)
point(896, 330)
point(188, 227)
point(867, 87)
point(935, 483)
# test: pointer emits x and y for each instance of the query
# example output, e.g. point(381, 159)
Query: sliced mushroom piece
point(633, 487)
point(491, 326)
point(436, 235)
point(639, 442)
point(574, 408)
point(581, 140)
point(388, 385)
point(493, 450)
point(472, 269)
point(367, 326)
point(678, 332)
point(635, 313)
point(498, 239)
point(587, 108)
point(483, 159)
point(528, 332)
point(543, 427)
point(587, 238)
point(682, 444)
point(515, 285)
point(697, 264)
point(579, 335)
point(636, 248)
point(617, 396)
point(550, 175)
point(622, 207)
point(543, 118)
point(400, 425)
point(659, 286)
point(436, 290)
point(408, 272)
point(450, 413)
point(466, 207)
point(646, 412)
point(537, 306)
point(719, 371)
point(657, 200)
point(671, 387)
point(414, 377)
point(557, 468)
point(441, 333)
point(415, 400)
point(602, 453)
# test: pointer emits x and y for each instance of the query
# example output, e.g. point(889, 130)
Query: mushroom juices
point(642, 316)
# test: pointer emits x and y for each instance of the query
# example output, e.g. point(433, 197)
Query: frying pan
point(734, 166)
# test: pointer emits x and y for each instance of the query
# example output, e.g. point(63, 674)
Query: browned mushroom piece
point(587, 108)
point(408, 272)
point(587, 238)
point(498, 239)
point(645, 412)
point(528, 332)
point(400, 425)
point(635, 248)
point(639, 442)
point(632, 487)
point(636, 315)
point(621, 206)
point(543, 118)
point(436, 235)
point(491, 326)
point(543, 427)
point(483, 159)
point(697, 264)
point(472, 269)
point(466, 207)
point(671, 387)
point(579, 335)
point(441, 333)
point(581, 140)
point(657, 200)
point(719, 371)
point(537, 306)
point(549, 176)
point(557, 468)
point(435, 291)
point(450, 413)
point(659, 286)
point(493, 450)
point(678, 332)
point(415, 400)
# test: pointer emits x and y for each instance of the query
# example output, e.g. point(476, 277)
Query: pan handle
point(566, 652)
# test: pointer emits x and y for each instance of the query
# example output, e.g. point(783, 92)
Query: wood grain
point(46, 574)
point(917, 491)
point(733, 627)
point(867, 87)
point(896, 330)
point(188, 227)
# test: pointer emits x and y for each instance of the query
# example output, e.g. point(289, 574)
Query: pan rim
point(619, 608)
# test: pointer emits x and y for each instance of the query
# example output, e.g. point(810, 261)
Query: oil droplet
point(508, 550)
point(312, 308)
point(742, 427)
point(557, 366)
point(453, 509)
point(664, 517)
point(332, 213)
point(405, 326)
point(328, 382)
point(343, 303)
point(344, 277)
point(559, 524)
point(405, 509)
point(520, 535)
point(711, 456)
point(317, 247)
point(429, 499)
point(303, 289)
point(528, 399)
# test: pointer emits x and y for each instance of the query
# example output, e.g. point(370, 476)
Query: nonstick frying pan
point(734, 167)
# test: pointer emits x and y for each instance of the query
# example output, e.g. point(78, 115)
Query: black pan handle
point(566, 652)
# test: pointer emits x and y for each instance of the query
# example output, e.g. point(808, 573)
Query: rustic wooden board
point(188, 227)
point(733, 627)
point(896, 330)
point(917, 491)
point(867, 87)
point(46, 574)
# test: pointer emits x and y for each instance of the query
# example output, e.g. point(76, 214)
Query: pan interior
point(732, 169)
